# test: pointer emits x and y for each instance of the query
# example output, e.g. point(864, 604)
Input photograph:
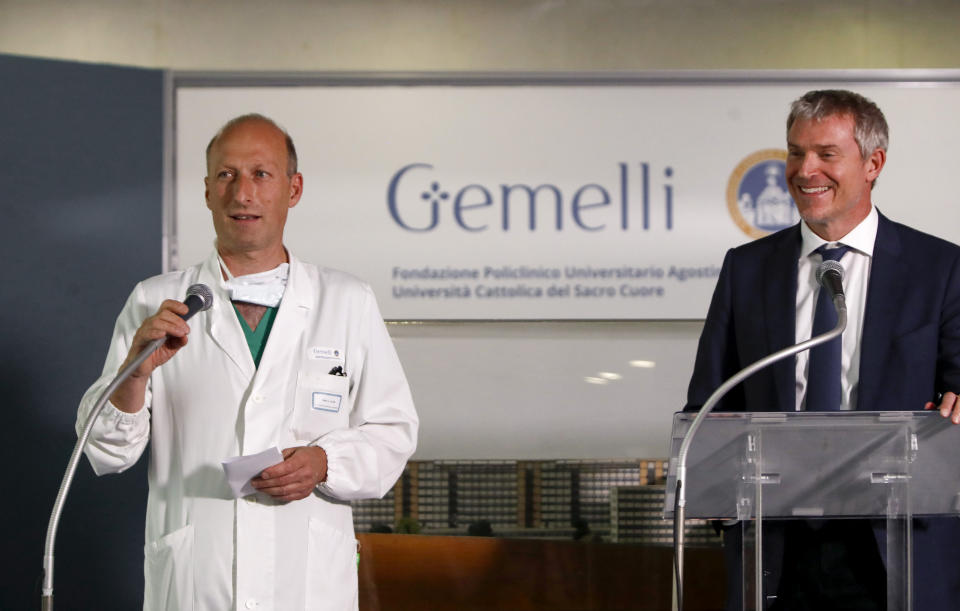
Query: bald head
point(257, 118)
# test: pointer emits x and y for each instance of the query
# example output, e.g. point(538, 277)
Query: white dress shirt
point(856, 263)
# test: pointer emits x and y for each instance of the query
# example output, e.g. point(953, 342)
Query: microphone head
point(827, 267)
point(203, 292)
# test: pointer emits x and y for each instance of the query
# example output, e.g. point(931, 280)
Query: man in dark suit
point(900, 349)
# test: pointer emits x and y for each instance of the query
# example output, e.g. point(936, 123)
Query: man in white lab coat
point(289, 355)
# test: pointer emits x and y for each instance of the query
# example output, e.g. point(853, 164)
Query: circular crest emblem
point(757, 196)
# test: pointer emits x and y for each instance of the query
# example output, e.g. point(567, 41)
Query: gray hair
point(291, 149)
point(869, 125)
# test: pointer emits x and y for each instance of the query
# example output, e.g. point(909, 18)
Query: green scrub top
point(257, 339)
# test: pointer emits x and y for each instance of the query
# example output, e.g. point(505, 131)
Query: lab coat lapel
point(222, 324)
point(291, 320)
point(889, 276)
point(780, 307)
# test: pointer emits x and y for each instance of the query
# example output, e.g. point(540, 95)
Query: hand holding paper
point(297, 476)
point(241, 469)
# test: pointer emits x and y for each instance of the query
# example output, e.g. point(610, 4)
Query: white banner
point(549, 202)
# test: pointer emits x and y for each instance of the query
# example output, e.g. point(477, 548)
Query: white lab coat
point(205, 550)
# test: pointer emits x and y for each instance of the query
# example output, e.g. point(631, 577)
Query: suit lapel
point(888, 278)
point(780, 306)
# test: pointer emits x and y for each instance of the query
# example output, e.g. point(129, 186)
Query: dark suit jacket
point(910, 352)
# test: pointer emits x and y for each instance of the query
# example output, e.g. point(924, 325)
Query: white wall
point(487, 34)
point(444, 361)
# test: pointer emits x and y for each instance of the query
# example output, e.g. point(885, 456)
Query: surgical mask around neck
point(263, 288)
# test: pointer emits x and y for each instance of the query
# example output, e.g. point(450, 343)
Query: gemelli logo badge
point(757, 196)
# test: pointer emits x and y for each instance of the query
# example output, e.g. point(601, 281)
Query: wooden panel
point(435, 573)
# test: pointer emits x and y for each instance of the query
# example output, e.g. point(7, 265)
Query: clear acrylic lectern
point(761, 466)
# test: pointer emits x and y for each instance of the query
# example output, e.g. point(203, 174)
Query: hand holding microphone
point(161, 336)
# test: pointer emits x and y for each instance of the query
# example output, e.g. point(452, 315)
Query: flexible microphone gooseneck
point(199, 298)
point(830, 277)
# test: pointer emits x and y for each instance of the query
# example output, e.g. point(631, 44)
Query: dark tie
point(823, 374)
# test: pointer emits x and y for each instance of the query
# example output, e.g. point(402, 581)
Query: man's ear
point(296, 189)
point(875, 163)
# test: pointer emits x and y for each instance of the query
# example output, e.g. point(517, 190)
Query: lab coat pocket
point(331, 569)
point(321, 405)
point(168, 572)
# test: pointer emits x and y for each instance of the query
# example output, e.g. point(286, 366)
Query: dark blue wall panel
point(81, 168)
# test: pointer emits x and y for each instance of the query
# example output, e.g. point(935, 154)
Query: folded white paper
point(241, 469)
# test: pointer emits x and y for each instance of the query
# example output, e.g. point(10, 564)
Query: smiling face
point(827, 177)
point(249, 192)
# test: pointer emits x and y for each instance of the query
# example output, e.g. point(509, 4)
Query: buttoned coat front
point(204, 549)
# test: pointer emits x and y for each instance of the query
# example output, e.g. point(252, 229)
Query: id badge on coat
point(322, 397)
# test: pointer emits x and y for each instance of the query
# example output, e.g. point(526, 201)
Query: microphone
point(199, 298)
point(830, 277)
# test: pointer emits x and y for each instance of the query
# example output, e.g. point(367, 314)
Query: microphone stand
point(46, 592)
point(840, 304)
point(199, 298)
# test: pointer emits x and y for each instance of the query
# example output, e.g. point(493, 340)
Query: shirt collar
point(861, 238)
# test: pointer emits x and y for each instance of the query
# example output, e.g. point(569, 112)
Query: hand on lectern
point(949, 406)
